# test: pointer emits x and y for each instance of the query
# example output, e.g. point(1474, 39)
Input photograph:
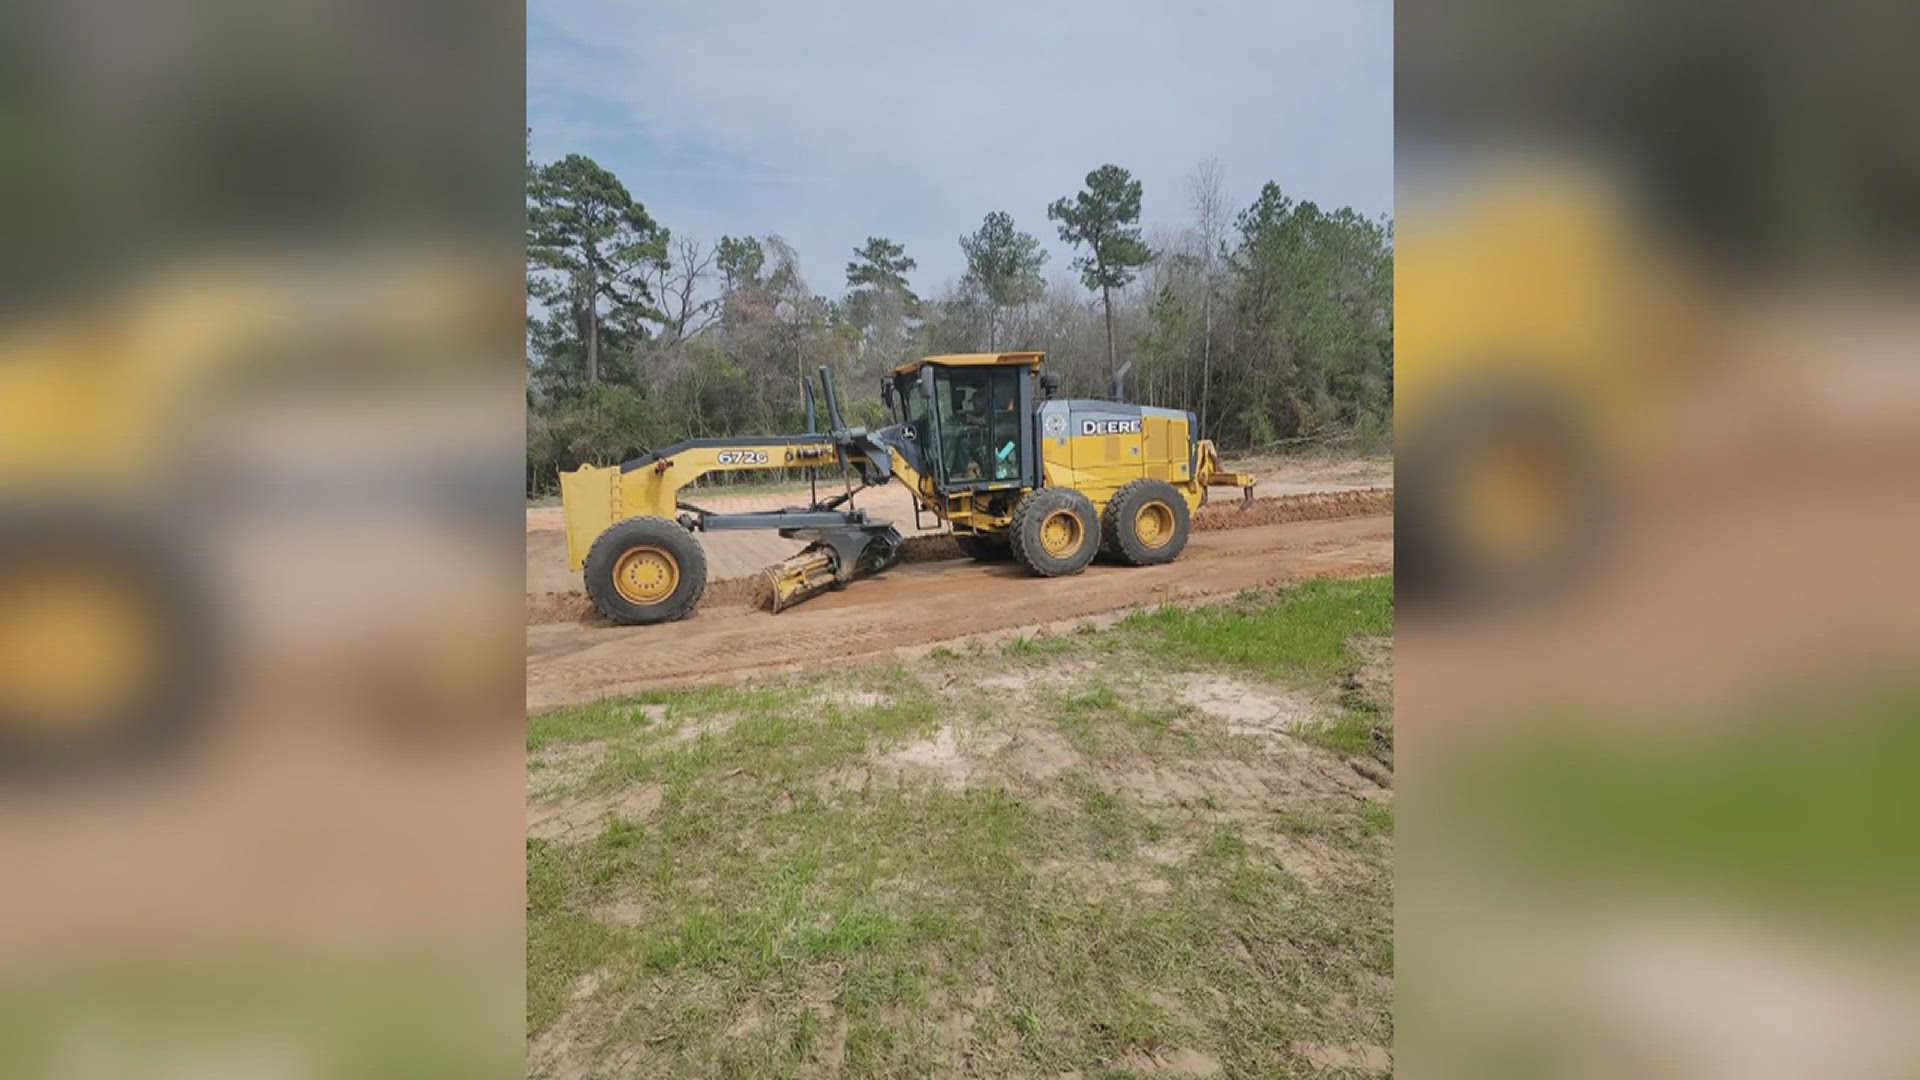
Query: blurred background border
point(261, 341)
point(1655, 416)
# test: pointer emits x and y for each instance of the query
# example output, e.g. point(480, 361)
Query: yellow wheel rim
point(1061, 533)
point(1515, 502)
point(1153, 524)
point(646, 575)
point(76, 649)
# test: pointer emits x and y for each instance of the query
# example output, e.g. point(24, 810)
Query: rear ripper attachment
point(1211, 474)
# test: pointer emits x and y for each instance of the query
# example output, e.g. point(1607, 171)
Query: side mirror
point(1049, 383)
point(886, 397)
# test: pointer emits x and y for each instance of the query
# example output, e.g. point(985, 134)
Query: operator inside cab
point(981, 426)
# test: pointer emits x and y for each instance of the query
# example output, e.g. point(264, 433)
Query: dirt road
point(551, 583)
point(916, 604)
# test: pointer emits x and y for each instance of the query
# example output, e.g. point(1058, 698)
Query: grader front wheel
point(107, 639)
point(645, 570)
point(1055, 532)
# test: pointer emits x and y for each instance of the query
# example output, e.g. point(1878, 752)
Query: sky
point(830, 122)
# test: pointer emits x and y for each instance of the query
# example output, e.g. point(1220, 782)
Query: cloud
point(827, 123)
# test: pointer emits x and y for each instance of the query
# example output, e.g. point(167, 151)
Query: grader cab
point(980, 440)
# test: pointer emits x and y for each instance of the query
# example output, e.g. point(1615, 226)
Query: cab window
point(978, 411)
point(916, 403)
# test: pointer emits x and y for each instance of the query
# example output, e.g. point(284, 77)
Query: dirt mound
point(571, 607)
point(1317, 506)
point(559, 607)
point(933, 547)
point(1278, 510)
point(754, 592)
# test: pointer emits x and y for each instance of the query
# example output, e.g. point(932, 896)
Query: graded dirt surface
point(916, 604)
point(554, 592)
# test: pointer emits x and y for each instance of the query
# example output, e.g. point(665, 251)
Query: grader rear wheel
point(1146, 523)
point(645, 570)
point(1508, 497)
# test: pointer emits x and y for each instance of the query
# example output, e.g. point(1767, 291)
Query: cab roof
point(970, 360)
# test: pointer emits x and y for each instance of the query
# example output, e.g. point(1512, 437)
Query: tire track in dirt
point(915, 604)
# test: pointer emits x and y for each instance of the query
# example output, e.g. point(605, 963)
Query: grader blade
point(834, 558)
point(807, 574)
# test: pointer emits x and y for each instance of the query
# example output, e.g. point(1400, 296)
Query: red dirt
point(572, 606)
point(918, 603)
point(1316, 506)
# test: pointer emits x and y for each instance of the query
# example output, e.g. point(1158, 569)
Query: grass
point(1301, 634)
point(792, 906)
point(283, 1009)
point(1097, 713)
point(1795, 803)
point(1360, 729)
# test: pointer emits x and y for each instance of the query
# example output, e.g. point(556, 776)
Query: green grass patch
point(380, 1013)
point(786, 906)
point(1797, 805)
point(1377, 818)
point(1306, 821)
point(780, 730)
point(1022, 646)
point(1102, 721)
point(1298, 635)
point(896, 909)
point(1361, 727)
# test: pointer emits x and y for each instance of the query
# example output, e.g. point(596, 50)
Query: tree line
point(1272, 325)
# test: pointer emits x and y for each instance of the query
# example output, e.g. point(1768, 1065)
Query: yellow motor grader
point(981, 441)
point(146, 426)
point(1537, 324)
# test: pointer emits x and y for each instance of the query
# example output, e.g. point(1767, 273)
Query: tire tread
point(1033, 508)
point(1116, 524)
point(597, 574)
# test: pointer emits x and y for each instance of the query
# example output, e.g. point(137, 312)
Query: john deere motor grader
point(979, 439)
